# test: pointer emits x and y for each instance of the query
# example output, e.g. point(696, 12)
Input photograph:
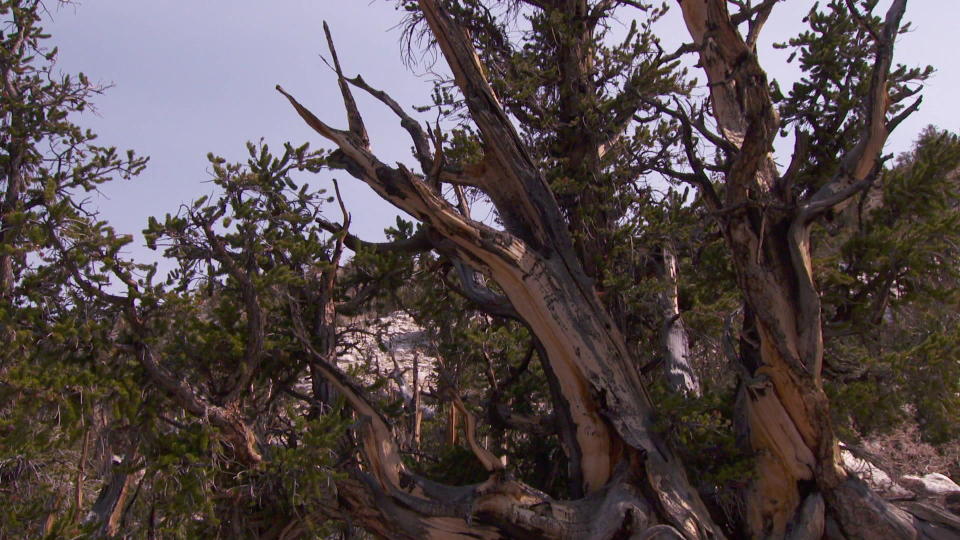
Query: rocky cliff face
point(390, 346)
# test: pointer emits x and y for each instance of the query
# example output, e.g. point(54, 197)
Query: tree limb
point(354, 120)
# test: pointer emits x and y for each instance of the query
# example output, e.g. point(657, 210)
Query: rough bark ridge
point(632, 480)
point(801, 489)
point(676, 346)
point(108, 509)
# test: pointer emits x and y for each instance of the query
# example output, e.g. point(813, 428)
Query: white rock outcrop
point(931, 485)
point(390, 346)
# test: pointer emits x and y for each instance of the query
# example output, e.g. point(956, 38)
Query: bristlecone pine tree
point(214, 401)
point(545, 259)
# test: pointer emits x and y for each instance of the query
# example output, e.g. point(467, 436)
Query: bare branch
point(420, 144)
point(379, 445)
point(700, 178)
point(520, 192)
point(355, 121)
point(912, 108)
point(740, 95)
point(484, 298)
point(319, 126)
point(829, 200)
point(489, 461)
point(417, 243)
point(697, 122)
point(864, 158)
point(756, 24)
point(462, 201)
point(801, 145)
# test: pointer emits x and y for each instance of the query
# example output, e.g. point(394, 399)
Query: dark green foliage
point(830, 102)
point(54, 371)
point(240, 321)
point(891, 287)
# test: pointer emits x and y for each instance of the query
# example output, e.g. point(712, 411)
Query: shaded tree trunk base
point(857, 513)
point(501, 507)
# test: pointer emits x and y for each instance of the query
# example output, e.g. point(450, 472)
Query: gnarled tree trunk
point(632, 480)
point(800, 489)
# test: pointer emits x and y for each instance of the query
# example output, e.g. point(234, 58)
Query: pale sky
point(192, 77)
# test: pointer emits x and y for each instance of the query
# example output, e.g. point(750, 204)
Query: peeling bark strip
point(680, 375)
point(537, 268)
point(109, 507)
point(798, 476)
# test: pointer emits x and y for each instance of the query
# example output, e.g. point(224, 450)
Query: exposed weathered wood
point(536, 267)
point(680, 374)
point(768, 233)
point(453, 428)
point(108, 509)
point(81, 471)
point(489, 461)
point(417, 405)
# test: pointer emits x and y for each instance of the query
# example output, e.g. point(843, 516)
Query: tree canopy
point(662, 332)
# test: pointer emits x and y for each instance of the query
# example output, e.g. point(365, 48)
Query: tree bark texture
point(108, 509)
point(676, 345)
point(799, 483)
point(631, 478)
point(631, 481)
